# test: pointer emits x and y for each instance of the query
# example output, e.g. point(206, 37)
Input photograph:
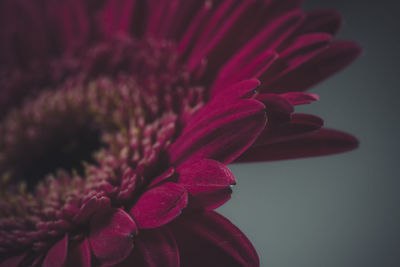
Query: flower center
point(47, 135)
point(101, 133)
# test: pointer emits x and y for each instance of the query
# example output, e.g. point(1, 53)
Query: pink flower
point(117, 118)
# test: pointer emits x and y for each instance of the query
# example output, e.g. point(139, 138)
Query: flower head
point(117, 119)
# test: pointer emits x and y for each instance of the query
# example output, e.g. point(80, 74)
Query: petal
point(116, 17)
point(163, 177)
point(275, 103)
point(322, 20)
point(208, 183)
point(267, 40)
point(337, 56)
point(159, 205)
point(299, 98)
point(236, 91)
point(91, 206)
point(13, 261)
point(322, 142)
point(57, 254)
point(216, 28)
point(79, 255)
point(253, 68)
point(300, 124)
point(221, 134)
point(153, 248)
point(208, 239)
point(302, 50)
point(224, 98)
point(111, 236)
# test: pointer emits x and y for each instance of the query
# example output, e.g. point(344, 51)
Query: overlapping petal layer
point(118, 117)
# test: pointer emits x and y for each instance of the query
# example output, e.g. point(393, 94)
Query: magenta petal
point(92, 205)
point(224, 98)
point(267, 40)
point(159, 205)
point(300, 124)
point(275, 103)
point(154, 248)
point(57, 254)
point(208, 239)
point(322, 20)
point(337, 56)
point(303, 49)
point(13, 261)
point(158, 247)
point(322, 142)
point(111, 236)
point(79, 255)
point(116, 17)
point(222, 134)
point(252, 69)
point(208, 183)
point(300, 98)
point(236, 91)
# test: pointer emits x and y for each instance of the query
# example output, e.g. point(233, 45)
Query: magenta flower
point(117, 118)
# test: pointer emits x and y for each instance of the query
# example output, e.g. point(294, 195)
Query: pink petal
point(322, 142)
point(111, 236)
point(156, 247)
point(159, 205)
point(221, 134)
point(300, 124)
point(275, 103)
point(117, 16)
point(302, 50)
point(299, 98)
point(57, 254)
point(208, 239)
point(13, 261)
point(252, 69)
point(163, 177)
point(337, 56)
point(236, 91)
point(322, 20)
point(153, 248)
point(267, 40)
point(228, 96)
point(79, 255)
point(71, 18)
point(90, 207)
point(208, 183)
point(216, 28)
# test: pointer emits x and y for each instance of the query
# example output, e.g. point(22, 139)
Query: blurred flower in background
point(118, 117)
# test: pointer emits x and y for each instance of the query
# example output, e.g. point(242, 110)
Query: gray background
point(342, 210)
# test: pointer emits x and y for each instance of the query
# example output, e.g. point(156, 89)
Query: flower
point(118, 118)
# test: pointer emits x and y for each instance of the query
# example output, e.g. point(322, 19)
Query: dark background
point(342, 210)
